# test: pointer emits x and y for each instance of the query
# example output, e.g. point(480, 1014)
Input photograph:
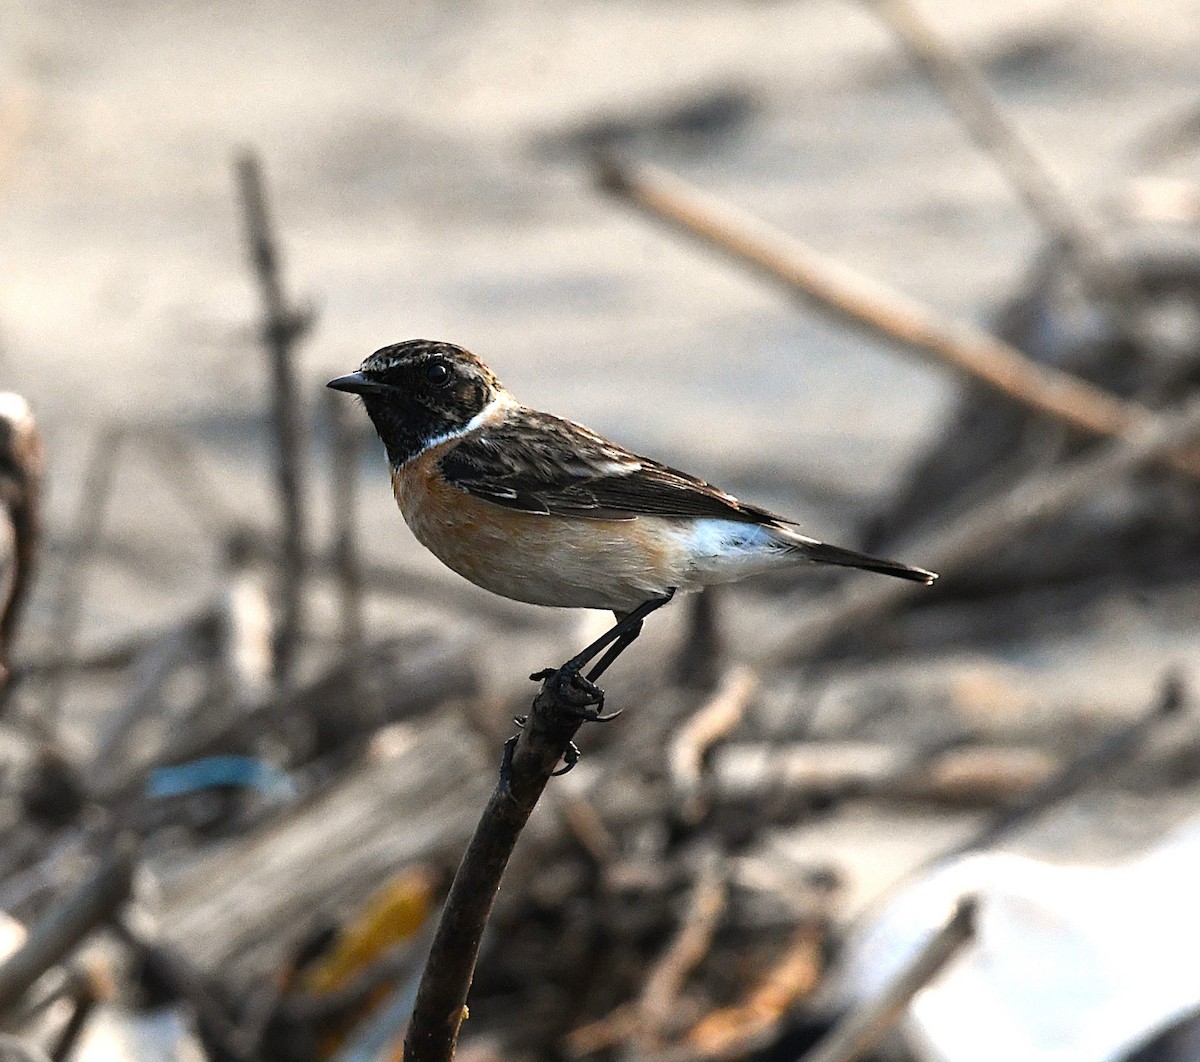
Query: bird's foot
point(570, 758)
point(577, 695)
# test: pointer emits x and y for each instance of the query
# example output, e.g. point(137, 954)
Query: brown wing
point(542, 464)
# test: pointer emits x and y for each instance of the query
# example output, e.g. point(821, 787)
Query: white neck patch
point(489, 412)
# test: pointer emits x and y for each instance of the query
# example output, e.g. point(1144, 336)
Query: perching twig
point(982, 531)
point(887, 314)
point(530, 760)
point(282, 328)
point(53, 938)
point(862, 1029)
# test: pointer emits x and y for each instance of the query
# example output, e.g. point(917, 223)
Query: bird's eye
point(437, 373)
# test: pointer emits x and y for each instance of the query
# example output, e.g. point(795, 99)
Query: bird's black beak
point(356, 384)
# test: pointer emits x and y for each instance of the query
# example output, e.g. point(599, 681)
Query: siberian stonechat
point(539, 509)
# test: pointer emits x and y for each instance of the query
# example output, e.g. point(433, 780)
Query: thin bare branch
point(52, 939)
point(282, 328)
point(1027, 170)
point(665, 981)
point(86, 527)
point(887, 314)
point(535, 753)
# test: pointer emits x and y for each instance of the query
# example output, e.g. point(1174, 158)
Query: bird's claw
point(578, 695)
point(570, 758)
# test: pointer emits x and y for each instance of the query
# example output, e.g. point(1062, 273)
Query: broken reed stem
point(1028, 172)
point(984, 530)
point(93, 901)
point(282, 327)
point(883, 312)
point(863, 1028)
point(442, 996)
point(344, 460)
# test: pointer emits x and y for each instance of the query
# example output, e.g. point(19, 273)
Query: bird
point(540, 509)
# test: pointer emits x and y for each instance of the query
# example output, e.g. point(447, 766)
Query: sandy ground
point(424, 184)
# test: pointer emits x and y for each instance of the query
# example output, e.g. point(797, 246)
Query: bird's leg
point(616, 640)
point(616, 649)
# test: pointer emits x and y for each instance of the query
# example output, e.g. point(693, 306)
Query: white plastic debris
point(1069, 964)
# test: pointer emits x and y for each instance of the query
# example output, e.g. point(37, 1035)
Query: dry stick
point(753, 1023)
point(1080, 772)
point(154, 670)
point(282, 328)
point(179, 465)
point(67, 610)
point(85, 1001)
point(660, 993)
point(1028, 172)
point(441, 999)
point(883, 312)
point(345, 459)
point(703, 729)
point(983, 530)
point(862, 1029)
point(53, 938)
point(173, 971)
point(115, 656)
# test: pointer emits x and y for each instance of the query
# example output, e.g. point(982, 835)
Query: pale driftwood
point(749, 774)
point(72, 918)
point(240, 909)
point(659, 1000)
point(852, 298)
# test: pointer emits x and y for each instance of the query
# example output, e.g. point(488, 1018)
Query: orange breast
point(541, 559)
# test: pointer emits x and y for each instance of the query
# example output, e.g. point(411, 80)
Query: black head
point(418, 391)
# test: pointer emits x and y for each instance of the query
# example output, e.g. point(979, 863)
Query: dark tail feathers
point(823, 553)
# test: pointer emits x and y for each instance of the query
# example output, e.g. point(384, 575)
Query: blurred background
point(428, 171)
